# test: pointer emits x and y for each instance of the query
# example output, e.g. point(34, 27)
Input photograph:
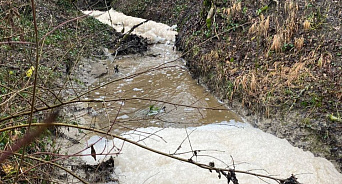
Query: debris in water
point(93, 152)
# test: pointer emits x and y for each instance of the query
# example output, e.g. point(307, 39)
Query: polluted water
point(218, 136)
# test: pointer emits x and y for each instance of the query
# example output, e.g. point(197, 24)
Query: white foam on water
point(154, 31)
point(121, 103)
point(123, 117)
point(252, 150)
point(129, 80)
point(99, 99)
point(102, 146)
point(189, 109)
point(137, 89)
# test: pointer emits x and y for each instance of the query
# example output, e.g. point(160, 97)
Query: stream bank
point(155, 98)
point(277, 63)
point(62, 55)
point(64, 37)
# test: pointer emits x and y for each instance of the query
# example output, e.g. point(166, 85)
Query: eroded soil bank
point(277, 63)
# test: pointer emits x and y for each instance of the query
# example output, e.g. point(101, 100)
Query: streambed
point(161, 106)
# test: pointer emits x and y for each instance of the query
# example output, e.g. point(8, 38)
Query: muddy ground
point(65, 37)
point(277, 63)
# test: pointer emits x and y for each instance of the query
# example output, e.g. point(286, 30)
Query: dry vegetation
point(41, 43)
point(286, 60)
point(280, 59)
point(277, 59)
point(48, 42)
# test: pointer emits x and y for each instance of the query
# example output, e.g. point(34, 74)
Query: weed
point(208, 23)
point(299, 42)
point(262, 10)
point(196, 50)
point(230, 89)
point(207, 3)
point(306, 122)
point(4, 140)
point(244, 10)
point(232, 11)
point(332, 117)
point(196, 33)
point(207, 33)
point(318, 18)
point(261, 27)
point(277, 42)
point(287, 46)
point(153, 110)
point(307, 25)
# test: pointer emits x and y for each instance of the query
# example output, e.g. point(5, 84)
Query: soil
point(83, 37)
point(280, 83)
point(277, 63)
point(76, 37)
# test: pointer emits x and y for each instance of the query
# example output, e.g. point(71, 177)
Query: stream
point(153, 100)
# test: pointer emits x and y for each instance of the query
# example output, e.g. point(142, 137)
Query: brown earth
point(277, 63)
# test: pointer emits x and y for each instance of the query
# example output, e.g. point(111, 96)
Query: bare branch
point(201, 165)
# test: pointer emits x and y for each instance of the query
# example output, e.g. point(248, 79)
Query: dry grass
point(212, 56)
point(277, 42)
point(256, 87)
point(306, 25)
point(209, 59)
point(264, 25)
point(260, 27)
point(253, 29)
point(253, 83)
point(299, 42)
point(293, 73)
point(290, 25)
point(283, 55)
point(236, 8)
point(290, 6)
point(324, 60)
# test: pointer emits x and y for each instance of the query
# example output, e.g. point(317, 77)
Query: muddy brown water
point(170, 83)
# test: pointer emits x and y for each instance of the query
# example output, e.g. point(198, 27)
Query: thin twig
point(34, 83)
point(107, 100)
point(60, 25)
point(56, 165)
point(204, 166)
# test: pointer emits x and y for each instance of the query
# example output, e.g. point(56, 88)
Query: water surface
point(180, 110)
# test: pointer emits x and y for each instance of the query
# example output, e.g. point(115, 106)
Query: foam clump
point(153, 31)
point(251, 149)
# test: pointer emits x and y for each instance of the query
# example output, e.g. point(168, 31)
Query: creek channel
point(153, 100)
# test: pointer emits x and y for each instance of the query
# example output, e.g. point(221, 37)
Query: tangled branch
point(227, 172)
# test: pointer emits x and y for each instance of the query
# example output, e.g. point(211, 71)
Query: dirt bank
point(277, 63)
point(65, 36)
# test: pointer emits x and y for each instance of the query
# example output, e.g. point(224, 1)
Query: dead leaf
point(93, 152)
